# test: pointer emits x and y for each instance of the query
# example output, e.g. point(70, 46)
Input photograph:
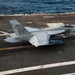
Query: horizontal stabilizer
point(12, 40)
point(4, 33)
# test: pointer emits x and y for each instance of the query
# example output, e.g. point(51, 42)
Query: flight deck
point(25, 59)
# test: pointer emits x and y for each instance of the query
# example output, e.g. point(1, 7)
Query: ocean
point(36, 6)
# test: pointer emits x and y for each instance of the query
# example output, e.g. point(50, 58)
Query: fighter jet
point(37, 37)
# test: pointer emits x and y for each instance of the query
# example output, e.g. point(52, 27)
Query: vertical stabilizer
point(18, 28)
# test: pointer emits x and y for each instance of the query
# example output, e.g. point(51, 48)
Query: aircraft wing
point(42, 38)
point(55, 32)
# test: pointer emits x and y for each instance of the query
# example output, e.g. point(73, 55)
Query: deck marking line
point(37, 67)
point(69, 74)
point(18, 47)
